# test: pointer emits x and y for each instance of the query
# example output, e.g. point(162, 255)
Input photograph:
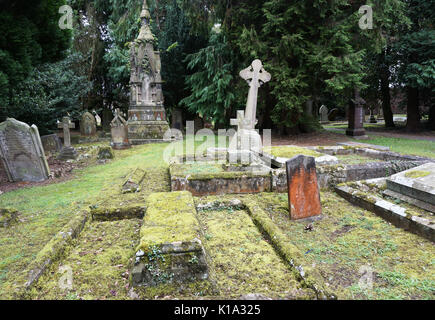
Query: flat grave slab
point(418, 183)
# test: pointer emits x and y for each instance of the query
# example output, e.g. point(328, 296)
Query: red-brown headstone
point(303, 190)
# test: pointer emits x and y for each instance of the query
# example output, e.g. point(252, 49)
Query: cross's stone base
point(67, 153)
point(246, 139)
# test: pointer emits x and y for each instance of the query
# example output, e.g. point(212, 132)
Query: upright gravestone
point(88, 125)
point(303, 189)
point(67, 152)
point(119, 132)
point(51, 143)
point(177, 119)
point(323, 112)
point(22, 153)
point(356, 116)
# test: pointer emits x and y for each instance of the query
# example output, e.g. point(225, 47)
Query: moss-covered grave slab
point(170, 248)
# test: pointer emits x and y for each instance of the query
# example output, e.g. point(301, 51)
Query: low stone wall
point(395, 214)
point(170, 248)
point(276, 179)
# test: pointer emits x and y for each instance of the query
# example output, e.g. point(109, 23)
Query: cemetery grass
point(45, 210)
point(348, 239)
point(422, 148)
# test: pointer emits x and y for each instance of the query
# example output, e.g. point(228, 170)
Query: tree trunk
point(413, 112)
point(431, 123)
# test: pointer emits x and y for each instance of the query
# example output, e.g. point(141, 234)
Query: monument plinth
point(146, 116)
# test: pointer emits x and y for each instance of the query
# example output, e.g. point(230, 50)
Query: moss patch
point(241, 259)
point(417, 174)
point(291, 151)
point(170, 217)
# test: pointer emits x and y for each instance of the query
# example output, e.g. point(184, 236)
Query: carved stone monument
point(247, 138)
point(88, 127)
point(67, 152)
point(323, 112)
point(356, 117)
point(146, 116)
point(119, 131)
point(21, 152)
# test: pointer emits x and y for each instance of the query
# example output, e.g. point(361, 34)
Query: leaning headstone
point(22, 153)
point(88, 125)
point(356, 116)
point(67, 152)
point(119, 132)
point(303, 190)
point(51, 143)
point(323, 112)
point(97, 119)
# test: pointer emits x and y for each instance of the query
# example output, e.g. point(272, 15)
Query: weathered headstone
point(88, 125)
point(303, 189)
point(146, 115)
point(323, 112)
point(356, 116)
point(51, 143)
point(22, 153)
point(177, 119)
point(247, 138)
point(372, 115)
point(67, 152)
point(119, 131)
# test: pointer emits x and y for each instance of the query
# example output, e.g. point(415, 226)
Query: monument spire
point(145, 30)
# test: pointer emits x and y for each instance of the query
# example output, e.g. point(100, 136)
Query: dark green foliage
point(50, 92)
point(211, 84)
point(30, 35)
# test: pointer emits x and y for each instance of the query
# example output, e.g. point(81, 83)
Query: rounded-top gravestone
point(88, 125)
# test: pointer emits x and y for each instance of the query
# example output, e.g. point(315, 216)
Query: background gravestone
point(177, 119)
point(51, 143)
point(323, 112)
point(22, 153)
point(119, 132)
point(88, 125)
point(356, 116)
